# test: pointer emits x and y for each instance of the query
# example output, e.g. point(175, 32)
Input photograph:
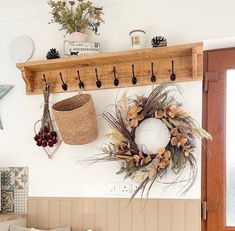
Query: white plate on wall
point(21, 49)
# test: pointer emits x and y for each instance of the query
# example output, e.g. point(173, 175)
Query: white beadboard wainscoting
point(114, 214)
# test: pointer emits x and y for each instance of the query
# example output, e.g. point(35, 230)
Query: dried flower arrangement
point(47, 136)
point(179, 152)
point(76, 16)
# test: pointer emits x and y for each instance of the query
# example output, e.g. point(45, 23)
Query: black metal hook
point(116, 81)
point(134, 79)
point(173, 75)
point(47, 86)
point(98, 82)
point(80, 84)
point(44, 79)
point(153, 77)
point(64, 85)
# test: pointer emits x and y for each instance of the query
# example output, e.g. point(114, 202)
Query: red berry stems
point(47, 136)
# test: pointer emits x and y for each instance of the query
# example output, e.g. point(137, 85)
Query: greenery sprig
point(76, 16)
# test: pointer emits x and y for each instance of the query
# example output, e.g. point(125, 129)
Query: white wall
point(180, 21)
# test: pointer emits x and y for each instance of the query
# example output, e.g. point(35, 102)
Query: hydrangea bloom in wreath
point(178, 153)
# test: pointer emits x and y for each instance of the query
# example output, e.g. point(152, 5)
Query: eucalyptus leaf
point(77, 17)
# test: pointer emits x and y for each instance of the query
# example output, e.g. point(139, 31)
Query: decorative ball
point(151, 135)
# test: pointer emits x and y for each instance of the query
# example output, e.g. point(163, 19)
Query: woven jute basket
point(76, 119)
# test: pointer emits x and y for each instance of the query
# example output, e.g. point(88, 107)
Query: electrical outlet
point(134, 187)
point(125, 189)
point(113, 188)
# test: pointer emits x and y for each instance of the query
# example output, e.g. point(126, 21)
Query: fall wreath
point(139, 162)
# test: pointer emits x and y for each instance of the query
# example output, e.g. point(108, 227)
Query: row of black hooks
point(134, 80)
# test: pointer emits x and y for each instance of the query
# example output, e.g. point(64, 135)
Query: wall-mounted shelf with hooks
point(116, 69)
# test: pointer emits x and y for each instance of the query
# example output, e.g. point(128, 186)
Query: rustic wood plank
point(54, 213)
point(89, 214)
point(152, 215)
point(32, 216)
point(100, 215)
point(178, 215)
point(139, 215)
point(121, 57)
point(125, 215)
point(113, 215)
point(65, 213)
point(77, 215)
point(43, 214)
point(165, 215)
point(193, 216)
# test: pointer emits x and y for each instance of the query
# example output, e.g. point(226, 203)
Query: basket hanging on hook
point(76, 119)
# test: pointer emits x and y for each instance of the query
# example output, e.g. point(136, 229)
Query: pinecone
point(159, 41)
point(53, 54)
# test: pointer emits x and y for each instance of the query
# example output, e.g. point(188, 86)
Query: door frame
point(205, 126)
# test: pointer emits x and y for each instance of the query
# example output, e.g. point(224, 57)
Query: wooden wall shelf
point(188, 60)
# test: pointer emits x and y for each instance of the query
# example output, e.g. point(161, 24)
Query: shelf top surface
point(112, 58)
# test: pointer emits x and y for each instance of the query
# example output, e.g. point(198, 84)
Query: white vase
point(77, 37)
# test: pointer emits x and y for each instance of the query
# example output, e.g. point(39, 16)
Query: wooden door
point(217, 174)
